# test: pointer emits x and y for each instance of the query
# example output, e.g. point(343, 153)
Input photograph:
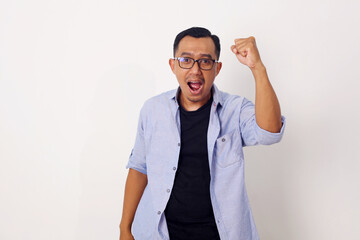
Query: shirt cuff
point(265, 137)
point(136, 168)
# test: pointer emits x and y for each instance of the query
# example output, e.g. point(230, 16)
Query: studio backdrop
point(74, 75)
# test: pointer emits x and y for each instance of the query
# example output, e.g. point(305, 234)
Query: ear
point(218, 67)
point(172, 65)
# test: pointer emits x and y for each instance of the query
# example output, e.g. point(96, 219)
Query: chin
point(196, 98)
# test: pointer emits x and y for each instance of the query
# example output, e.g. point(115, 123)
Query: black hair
point(198, 32)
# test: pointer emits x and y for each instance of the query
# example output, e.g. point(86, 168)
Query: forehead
point(196, 46)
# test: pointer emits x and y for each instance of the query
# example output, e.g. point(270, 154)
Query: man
point(186, 176)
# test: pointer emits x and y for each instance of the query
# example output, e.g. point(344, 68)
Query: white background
point(74, 75)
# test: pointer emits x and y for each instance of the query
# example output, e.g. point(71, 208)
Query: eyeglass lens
point(205, 64)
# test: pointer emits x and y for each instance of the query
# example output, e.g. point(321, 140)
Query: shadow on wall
point(113, 115)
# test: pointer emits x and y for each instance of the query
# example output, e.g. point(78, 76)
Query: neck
point(189, 105)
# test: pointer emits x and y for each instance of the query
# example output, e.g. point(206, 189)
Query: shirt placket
point(173, 167)
point(213, 133)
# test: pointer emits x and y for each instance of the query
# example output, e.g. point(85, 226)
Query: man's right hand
point(126, 235)
point(134, 188)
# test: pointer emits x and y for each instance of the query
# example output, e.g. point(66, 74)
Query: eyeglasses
point(203, 63)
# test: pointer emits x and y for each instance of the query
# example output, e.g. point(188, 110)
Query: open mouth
point(195, 86)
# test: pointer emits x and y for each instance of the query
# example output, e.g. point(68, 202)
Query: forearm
point(267, 108)
point(134, 188)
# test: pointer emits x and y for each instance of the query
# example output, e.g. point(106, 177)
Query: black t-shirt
point(189, 212)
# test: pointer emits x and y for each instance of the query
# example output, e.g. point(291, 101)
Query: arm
point(134, 188)
point(267, 108)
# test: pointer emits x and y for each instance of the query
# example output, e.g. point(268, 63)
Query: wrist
point(125, 227)
point(258, 68)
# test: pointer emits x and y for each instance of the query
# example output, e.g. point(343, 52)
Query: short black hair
point(198, 32)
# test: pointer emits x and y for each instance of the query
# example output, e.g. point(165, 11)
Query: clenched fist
point(246, 52)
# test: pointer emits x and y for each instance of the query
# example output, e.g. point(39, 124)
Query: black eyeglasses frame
point(198, 62)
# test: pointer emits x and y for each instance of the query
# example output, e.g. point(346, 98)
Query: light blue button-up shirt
point(232, 126)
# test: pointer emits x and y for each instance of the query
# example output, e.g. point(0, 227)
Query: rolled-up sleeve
point(137, 159)
point(251, 133)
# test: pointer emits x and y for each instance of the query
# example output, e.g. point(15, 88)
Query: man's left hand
point(247, 53)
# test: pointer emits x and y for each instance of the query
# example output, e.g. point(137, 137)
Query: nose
point(196, 68)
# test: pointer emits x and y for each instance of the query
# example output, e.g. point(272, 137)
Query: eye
point(205, 61)
point(186, 60)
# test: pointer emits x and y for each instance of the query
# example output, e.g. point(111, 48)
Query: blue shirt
point(232, 126)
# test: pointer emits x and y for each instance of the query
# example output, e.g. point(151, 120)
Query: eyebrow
point(201, 55)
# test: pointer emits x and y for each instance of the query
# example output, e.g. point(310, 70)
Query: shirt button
point(168, 190)
point(174, 168)
point(179, 144)
point(223, 139)
point(159, 212)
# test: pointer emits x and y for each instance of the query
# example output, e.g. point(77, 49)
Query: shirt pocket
point(228, 149)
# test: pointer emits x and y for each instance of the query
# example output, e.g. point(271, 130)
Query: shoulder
point(230, 101)
point(160, 101)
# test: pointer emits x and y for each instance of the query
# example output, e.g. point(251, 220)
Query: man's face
point(195, 83)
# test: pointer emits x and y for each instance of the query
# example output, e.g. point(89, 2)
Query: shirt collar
point(217, 97)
